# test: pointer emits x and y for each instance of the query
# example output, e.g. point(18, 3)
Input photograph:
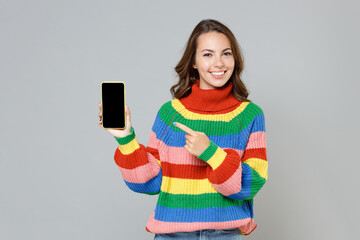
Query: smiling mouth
point(218, 74)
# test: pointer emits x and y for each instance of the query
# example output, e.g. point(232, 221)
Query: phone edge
point(124, 102)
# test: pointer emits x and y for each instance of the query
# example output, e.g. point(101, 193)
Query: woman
point(206, 157)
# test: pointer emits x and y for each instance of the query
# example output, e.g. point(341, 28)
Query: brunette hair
point(188, 75)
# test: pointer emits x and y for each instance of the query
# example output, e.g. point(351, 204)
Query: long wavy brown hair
point(188, 75)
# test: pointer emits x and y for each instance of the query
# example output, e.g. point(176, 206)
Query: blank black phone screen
point(113, 104)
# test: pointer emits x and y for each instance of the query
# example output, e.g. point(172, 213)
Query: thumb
point(127, 111)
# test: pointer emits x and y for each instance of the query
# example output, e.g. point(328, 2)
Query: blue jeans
point(211, 234)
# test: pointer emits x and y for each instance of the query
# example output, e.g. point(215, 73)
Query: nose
point(218, 62)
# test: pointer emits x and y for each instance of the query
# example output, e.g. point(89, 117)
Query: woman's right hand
point(118, 132)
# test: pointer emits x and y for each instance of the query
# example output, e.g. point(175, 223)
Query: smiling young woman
point(206, 156)
point(213, 60)
point(210, 35)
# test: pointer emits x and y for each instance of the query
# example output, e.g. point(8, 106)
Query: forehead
point(213, 41)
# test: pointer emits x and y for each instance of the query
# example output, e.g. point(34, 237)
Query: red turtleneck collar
point(218, 100)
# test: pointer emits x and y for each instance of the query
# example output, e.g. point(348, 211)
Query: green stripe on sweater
point(205, 200)
point(169, 115)
point(257, 182)
point(125, 140)
point(208, 152)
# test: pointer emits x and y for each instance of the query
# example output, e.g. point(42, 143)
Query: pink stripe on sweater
point(179, 155)
point(153, 142)
point(232, 185)
point(240, 152)
point(246, 225)
point(256, 140)
point(142, 173)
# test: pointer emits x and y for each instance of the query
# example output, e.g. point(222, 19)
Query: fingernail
point(174, 123)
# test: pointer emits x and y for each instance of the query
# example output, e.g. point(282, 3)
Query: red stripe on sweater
point(135, 159)
point(255, 153)
point(185, 171)
point(226, 169)
point(227, 110)
point(154, 152)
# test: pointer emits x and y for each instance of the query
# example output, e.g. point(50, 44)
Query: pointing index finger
point(184, 128)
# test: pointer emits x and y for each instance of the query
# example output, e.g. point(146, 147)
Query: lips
point(218, 74)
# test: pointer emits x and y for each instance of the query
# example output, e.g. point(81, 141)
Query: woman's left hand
point(196, 142)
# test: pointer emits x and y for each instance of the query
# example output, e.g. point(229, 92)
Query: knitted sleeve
point(235, 177)
point(140, 165)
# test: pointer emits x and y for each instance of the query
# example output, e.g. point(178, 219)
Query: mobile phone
point(113, 104)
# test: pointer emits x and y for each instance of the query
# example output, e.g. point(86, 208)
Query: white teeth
point(218, 73)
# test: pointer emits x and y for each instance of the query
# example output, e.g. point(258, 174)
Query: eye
point(207, 55)
point(227, 53)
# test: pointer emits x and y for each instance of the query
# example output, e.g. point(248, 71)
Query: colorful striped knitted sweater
point(214, 190)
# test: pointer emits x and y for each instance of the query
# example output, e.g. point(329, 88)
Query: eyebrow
point(213, 51)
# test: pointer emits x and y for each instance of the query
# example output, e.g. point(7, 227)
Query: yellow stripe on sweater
point(225, 117)
point(186, 186)
point(217, 159)
point(259, 165)
point(130, 147)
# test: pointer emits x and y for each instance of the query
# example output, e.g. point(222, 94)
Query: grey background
point(58, 179)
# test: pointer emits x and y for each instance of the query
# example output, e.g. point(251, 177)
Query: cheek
point(230, 64)
point(204, 66)
point(202, 62)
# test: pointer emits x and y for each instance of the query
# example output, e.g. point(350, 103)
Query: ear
point(194, 66)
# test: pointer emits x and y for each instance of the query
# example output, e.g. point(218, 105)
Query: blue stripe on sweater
point(246, 179)
point(213, 214)
point(258, 123)
point(171, 138)
point(152, 186)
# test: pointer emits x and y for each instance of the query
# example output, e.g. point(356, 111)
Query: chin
point(216, 83)
point(219, 83)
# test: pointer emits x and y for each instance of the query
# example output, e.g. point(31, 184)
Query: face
point(214, 60)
